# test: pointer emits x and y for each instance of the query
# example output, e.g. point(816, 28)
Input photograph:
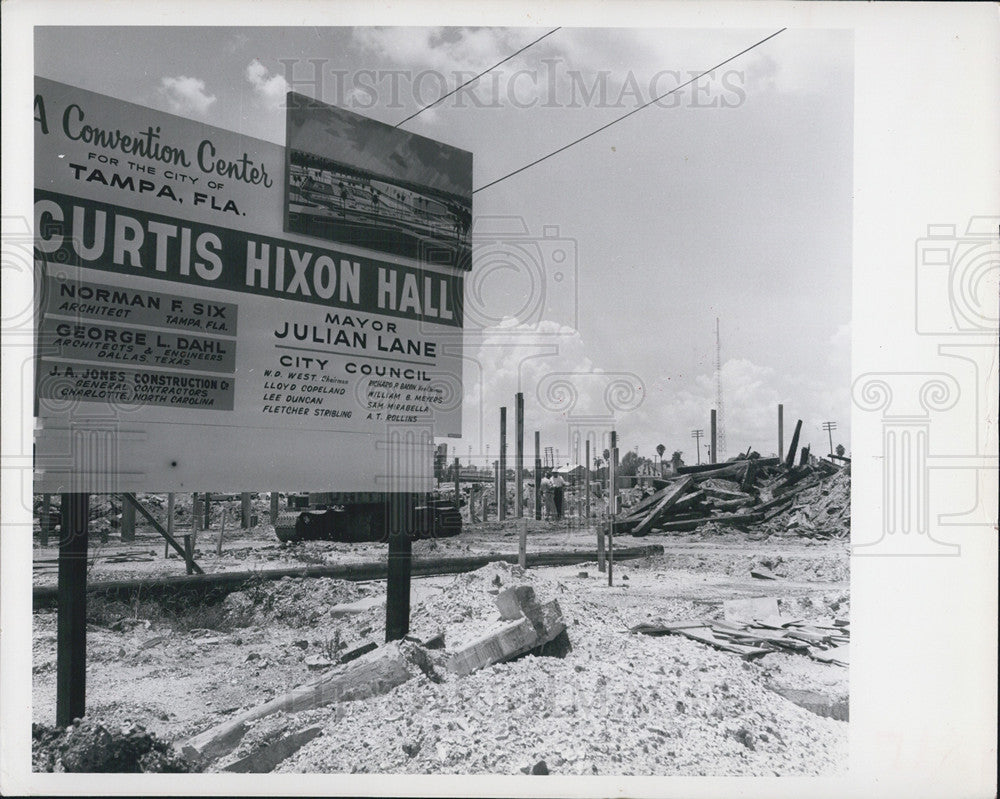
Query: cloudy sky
point(599, 273)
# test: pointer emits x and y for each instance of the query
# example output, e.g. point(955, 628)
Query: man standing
point(547, 495)
point(558, 486)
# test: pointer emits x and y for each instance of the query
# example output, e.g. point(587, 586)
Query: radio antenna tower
point(720, 422)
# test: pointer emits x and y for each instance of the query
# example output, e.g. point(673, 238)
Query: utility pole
point(519, 454)
point(696, 435)
point(720, 434)
point(830, 427)
point(714, 436)
point(538, 475)
point(502, 498)
point(781, 430)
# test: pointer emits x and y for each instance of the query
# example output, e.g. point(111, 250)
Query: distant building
point(572, 473)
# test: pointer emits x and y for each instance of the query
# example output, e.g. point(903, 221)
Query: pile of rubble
point(811, 499)
point(526, 626)
point(89, 746)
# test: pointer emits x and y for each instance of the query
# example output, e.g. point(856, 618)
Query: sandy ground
point(619, 703)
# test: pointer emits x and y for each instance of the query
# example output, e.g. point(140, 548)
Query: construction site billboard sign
point(186, 341)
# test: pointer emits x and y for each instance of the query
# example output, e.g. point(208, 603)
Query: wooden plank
point(734, 518)
point(357, 572)
point(724, 494)
point(397, 585)
point(640, 509)
point(128, 522)
point(670, 496)
point(706, 636)
point(716, 467)
point(512, 638)
point(790, 458)
point(131, 498)
point(374, 674)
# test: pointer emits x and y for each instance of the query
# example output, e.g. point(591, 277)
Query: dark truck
point(366, 516)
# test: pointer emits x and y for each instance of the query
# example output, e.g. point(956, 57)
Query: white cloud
point(270, 88)
point(553, 367)
point(444, 49)
point(186, 95)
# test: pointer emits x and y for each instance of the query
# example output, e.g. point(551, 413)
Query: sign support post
point(45, 520)
point(71, 629)
point(397, 584)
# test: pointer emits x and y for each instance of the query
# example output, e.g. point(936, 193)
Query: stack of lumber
point(811, 499)
point(827, 641)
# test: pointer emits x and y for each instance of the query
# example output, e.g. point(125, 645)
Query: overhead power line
point(477, 77)
point(633, 111)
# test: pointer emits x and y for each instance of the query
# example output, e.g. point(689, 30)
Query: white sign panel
point(186, 342)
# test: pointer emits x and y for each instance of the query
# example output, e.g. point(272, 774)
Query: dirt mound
point(463, 606)
point(89, 746)
point(291, 601)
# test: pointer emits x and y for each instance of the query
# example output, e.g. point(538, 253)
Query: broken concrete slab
point(267, 758)
point(763, 574)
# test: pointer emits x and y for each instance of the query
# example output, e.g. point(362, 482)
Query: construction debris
point(811, 499)
point(827, 642)
point(530, 626)
point(89, 746)
point(370, 675)
point(267, 757)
